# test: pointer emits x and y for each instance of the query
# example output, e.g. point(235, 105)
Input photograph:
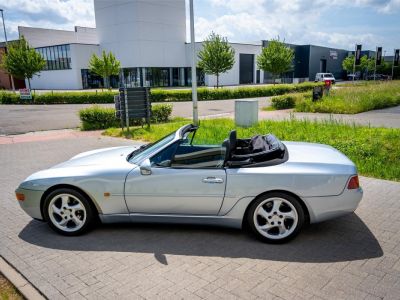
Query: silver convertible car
point(270, 187)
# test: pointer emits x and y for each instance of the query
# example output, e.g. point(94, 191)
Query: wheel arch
point(301, 202)
point(95, 207)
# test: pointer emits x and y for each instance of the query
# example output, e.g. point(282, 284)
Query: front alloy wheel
point(68, 212)
point(276, 217)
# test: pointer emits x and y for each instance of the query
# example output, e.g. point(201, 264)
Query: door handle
point(213, 180)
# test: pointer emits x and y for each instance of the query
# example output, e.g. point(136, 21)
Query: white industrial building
point(148, 37)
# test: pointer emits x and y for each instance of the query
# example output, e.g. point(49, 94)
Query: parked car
point(352, 77)
point(378, 77)
point(325, 77)
point(271, 187)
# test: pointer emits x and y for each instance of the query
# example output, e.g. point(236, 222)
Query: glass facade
point(56, 57)
point(93, 81)
point(148, 77)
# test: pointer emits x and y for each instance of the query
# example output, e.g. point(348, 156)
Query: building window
point(56, 57)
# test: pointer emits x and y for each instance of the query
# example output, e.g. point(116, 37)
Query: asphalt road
point(16, 119)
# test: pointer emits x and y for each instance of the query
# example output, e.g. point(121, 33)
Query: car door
point(184, 179)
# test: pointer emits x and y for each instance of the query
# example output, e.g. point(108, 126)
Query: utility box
point(246, 112)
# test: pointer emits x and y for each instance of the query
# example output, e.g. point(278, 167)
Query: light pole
point(194, 76)
point(5, 37)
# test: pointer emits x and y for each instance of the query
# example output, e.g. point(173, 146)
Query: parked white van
point(325, 77)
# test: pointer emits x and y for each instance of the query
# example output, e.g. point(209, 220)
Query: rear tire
point(68, 212)
point(275, 217)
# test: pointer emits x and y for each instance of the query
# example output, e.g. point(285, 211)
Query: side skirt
point(225, 221)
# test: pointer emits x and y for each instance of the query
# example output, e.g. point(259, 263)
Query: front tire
point(68, 212)
point(275, 217)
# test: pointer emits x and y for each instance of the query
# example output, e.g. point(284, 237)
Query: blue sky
point(333, 23)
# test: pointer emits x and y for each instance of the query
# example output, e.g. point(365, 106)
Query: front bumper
point(329, 207)
point(31, 204)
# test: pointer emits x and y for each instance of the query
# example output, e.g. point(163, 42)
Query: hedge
point(60, 98)
point(97, 117)
point(288, 100)
point(159, 95)
point(204, 94)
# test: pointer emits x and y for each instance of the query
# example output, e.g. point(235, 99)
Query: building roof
point(42, 37)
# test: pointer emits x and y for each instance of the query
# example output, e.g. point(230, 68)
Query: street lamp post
point(194, 76)
point(5, 37)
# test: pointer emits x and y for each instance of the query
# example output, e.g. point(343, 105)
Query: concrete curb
point(19, 281)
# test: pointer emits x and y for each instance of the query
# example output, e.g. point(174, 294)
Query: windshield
point(141, 153)
point(328, 75)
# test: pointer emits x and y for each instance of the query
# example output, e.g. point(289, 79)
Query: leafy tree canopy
point(22, 61)
point(217, 56)
point(276, 58)
point(104, 66)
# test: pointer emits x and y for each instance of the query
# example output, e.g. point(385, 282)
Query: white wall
point(66, 79)
point(232, 76)
point(143, 33)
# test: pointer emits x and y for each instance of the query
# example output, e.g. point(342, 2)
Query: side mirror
point(145, 167)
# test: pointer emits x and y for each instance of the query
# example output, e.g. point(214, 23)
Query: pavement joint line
point(27, 289)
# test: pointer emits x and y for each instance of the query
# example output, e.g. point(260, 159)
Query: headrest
point(232, 139)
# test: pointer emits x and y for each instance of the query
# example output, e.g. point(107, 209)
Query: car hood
point(106, 156)
point(300, 152)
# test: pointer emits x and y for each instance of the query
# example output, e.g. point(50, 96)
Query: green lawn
point(375, 151)
point(7, 290)
point(354, 99)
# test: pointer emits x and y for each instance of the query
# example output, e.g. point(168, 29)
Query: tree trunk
point(29, 83)
point(217, 80)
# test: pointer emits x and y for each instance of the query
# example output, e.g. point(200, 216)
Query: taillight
point(353, 183)
point(20, 196)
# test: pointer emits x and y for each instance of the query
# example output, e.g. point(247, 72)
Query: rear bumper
point(325, 208)
point(31, 204)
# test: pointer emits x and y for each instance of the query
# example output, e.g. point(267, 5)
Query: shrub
point(97, 117)
point(160, 113)
point(283, 102)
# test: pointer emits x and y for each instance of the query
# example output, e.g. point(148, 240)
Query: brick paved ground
point(354, 257)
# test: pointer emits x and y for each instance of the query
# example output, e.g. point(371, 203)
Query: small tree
point(217, 56)
point(22, 61)
point(104, 66)
point(276, 58)
point(366, 64)
point(348, 64)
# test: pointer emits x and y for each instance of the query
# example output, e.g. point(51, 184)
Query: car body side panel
point(175, 191)
point(93, 180)
point(300, 179)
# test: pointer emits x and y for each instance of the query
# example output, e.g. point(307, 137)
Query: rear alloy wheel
point(275, 217)
point(68, 212)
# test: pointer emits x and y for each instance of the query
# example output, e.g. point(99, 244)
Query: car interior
point(257, 151)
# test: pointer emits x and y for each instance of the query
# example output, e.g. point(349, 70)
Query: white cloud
point(57, 14)
point(296, 21)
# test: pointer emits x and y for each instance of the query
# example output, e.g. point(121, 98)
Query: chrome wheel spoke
point(76, 220)
point(288, 215)
point(282, 229)
point(56, 210)
point(63, 222)
point(266, 226)
point(75, 207)
point(276, 205)
point(263, 213)
point(64, 200)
